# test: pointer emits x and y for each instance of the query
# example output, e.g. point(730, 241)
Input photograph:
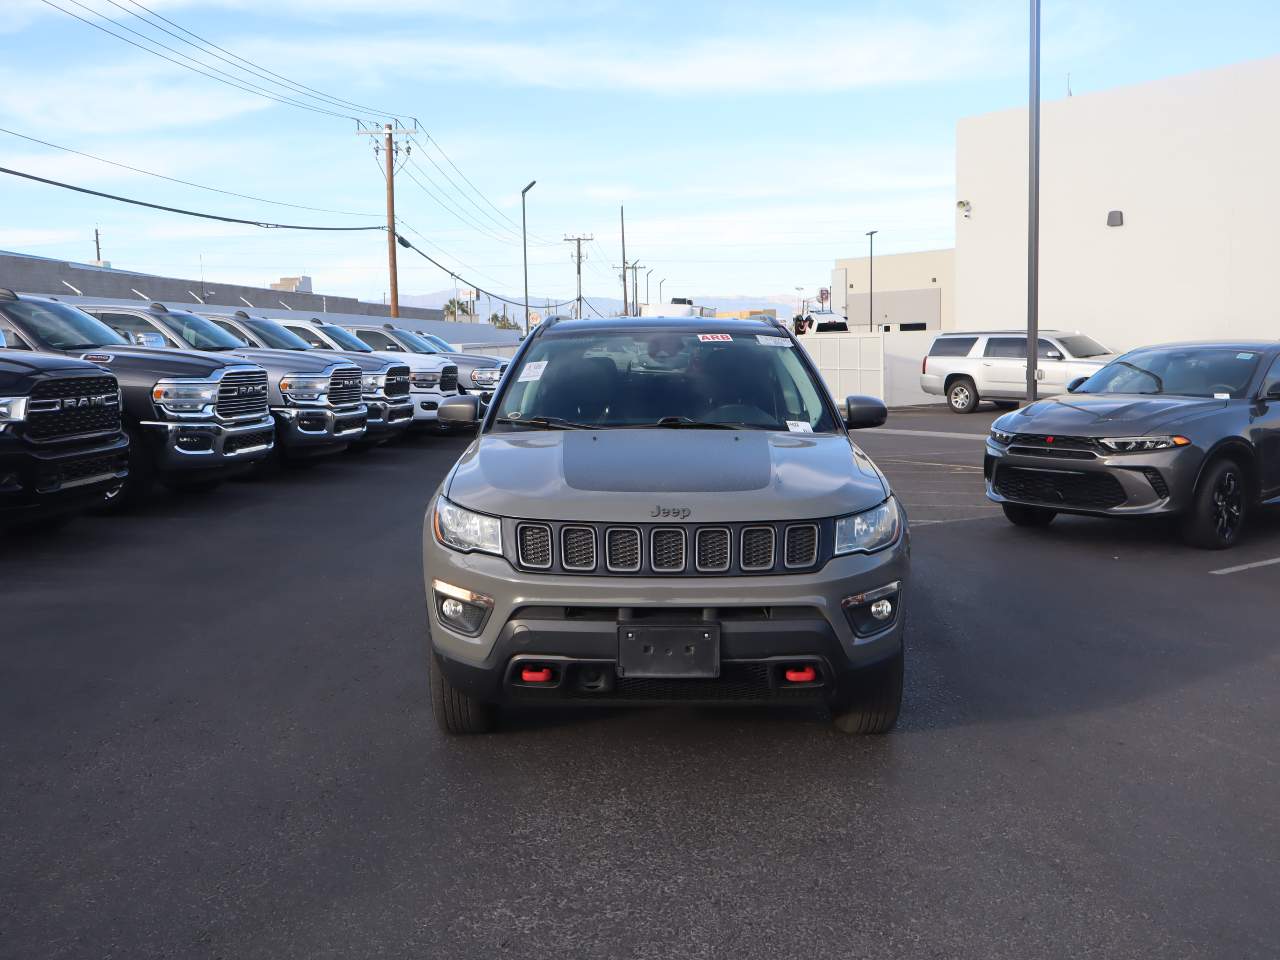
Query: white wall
point(879, 365)
point(1193, 162)
point(928, 274)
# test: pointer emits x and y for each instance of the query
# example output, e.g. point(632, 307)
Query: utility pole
point(390, 148)
point(97, 246)
point(578, 257)
point(622, 213)
point(635, 288)
point(871, 282)
point(646, 288)
point(1033, 207)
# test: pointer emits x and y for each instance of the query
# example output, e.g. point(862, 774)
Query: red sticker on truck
point(715, 338)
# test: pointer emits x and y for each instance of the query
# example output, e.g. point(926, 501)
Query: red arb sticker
point(715, 337)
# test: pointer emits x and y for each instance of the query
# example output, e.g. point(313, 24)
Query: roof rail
point(242, 315)
point(317, 321)
point(158, 307)
point(388, 326)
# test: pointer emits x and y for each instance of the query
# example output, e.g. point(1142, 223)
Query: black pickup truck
point(192, 418)
point(61, 444)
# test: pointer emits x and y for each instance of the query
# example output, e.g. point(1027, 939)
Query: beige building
point(910, 289)
point(1160, 211)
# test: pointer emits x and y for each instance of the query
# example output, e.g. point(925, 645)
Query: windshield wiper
point(688, 423)
point(1153, 376)
point(547, 423)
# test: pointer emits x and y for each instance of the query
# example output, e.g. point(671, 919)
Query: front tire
point(962, 395)
point(1219, 508)
point(874, 700)
point(457, 713)
point(1024, 516)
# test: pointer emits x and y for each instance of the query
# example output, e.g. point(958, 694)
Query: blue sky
point(752, 143)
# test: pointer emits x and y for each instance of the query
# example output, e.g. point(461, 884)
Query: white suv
point(432, 380)
point(971, 366)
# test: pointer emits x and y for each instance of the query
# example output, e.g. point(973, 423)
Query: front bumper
point(765, 622)
point(426, 403)
point(35, 481)
point(388, 416)
point(1116, 485)
point(317, 430)
point(184, 445)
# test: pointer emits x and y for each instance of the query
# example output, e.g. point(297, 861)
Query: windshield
point(62, 327)
point(439, 342)
point(664, 377)
point(199, 333)
point(275, 336)
point(1180, 371)
point(1080, 346)
point(345, 339)
point(415, 343)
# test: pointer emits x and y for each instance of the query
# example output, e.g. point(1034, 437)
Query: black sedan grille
point(1095, 491)
point(242, 394)
point(448, 379)
point(73, 406)
point(671, 549)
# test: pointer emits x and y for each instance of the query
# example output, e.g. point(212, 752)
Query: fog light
point(452, 609)
point(882, 609)
point(871, 612)
point(461, 609)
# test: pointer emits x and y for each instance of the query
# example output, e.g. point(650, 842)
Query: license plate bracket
point(669, 650)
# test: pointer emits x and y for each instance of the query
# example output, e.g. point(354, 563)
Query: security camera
point(965, 208)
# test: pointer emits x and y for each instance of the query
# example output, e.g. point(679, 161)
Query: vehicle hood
point(1104, 415)
point(477, 359)
point(414, 361)
point(623, 475)
point(160, 362)
point(21, 364)
point(290, 361)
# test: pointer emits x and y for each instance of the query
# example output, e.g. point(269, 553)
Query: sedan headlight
point(466, 531)
point(424, 379)
point(1142, 444)
point(304, 386)
point(185, 396)
point(374, 384)
point(13, 409)
point(1001, 437)
point(868, 531)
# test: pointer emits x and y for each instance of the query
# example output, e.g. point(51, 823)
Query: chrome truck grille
point(345, 386)
point(242, 394)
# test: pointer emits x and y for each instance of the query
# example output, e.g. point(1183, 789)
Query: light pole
point(871, 282)
point(524, 240)
point(660, 283)
point(1033, 206)
point(646, 288)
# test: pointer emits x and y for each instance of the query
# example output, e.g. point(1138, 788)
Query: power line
point(404, 242)
point(456, 212)
point(186, 183)
point(514, 231)
point(190, 213)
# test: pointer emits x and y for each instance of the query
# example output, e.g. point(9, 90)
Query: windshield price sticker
point(1222, 396)
point(799, 426)
point(773, 341)
point(532, 371)
point(715, 338)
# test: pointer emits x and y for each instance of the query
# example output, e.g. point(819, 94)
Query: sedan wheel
point(1218, 513)
point(962, 396)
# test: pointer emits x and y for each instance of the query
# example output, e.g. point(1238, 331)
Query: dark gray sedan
point(1188, 429)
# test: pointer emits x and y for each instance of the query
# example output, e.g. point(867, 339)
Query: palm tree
point(457, 309)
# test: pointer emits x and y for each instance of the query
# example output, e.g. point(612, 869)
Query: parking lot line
point(925, 433)
point(1245, 566)
point(929, 463)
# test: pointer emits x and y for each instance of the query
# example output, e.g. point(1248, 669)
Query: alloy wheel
point(1228, 506)
point(960, 397)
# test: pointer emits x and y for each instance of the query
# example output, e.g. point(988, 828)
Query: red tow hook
point(535, 674)
point(801, 675)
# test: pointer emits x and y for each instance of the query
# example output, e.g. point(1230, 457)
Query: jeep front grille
point(345, 386)
point(534, 545)
point(73, 406)
point(647, 549)
point(242, 394)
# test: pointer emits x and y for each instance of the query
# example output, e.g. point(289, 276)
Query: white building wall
point(929, 275)
point(1193, 162)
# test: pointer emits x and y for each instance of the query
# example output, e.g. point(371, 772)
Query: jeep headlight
point(1142, 444)
point(466, 531)
point(868, 531)
point(304, 386)
point(373, 384)
point(184, 396)
point(424, 379)
point(13, 409)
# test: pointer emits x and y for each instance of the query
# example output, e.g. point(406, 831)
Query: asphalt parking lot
point(216, 741)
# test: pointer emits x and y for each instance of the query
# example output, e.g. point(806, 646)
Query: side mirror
point(462, 413)
point(1052, 355)
point(1273, 391)
point(1075, 384)
point(862, 412)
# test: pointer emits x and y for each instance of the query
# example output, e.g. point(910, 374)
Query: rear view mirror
point(460, 412)
point(1075, 384)
point(862, 412)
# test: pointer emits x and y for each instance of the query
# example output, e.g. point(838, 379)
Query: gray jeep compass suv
point(665, 510)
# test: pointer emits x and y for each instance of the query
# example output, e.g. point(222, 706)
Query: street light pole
point(1033, 207)
point(646, 288)
point(660, 283)
point(871, 282)
point(524, 240)
point(800, 301)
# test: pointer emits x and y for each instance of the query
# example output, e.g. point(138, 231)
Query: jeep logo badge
point(670, 513)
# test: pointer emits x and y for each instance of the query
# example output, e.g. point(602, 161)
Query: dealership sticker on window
point(773, 341)
point(1244, 356)
point(532, 371)
point(799, 426)
point(1222, 396)
point(715, 338)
